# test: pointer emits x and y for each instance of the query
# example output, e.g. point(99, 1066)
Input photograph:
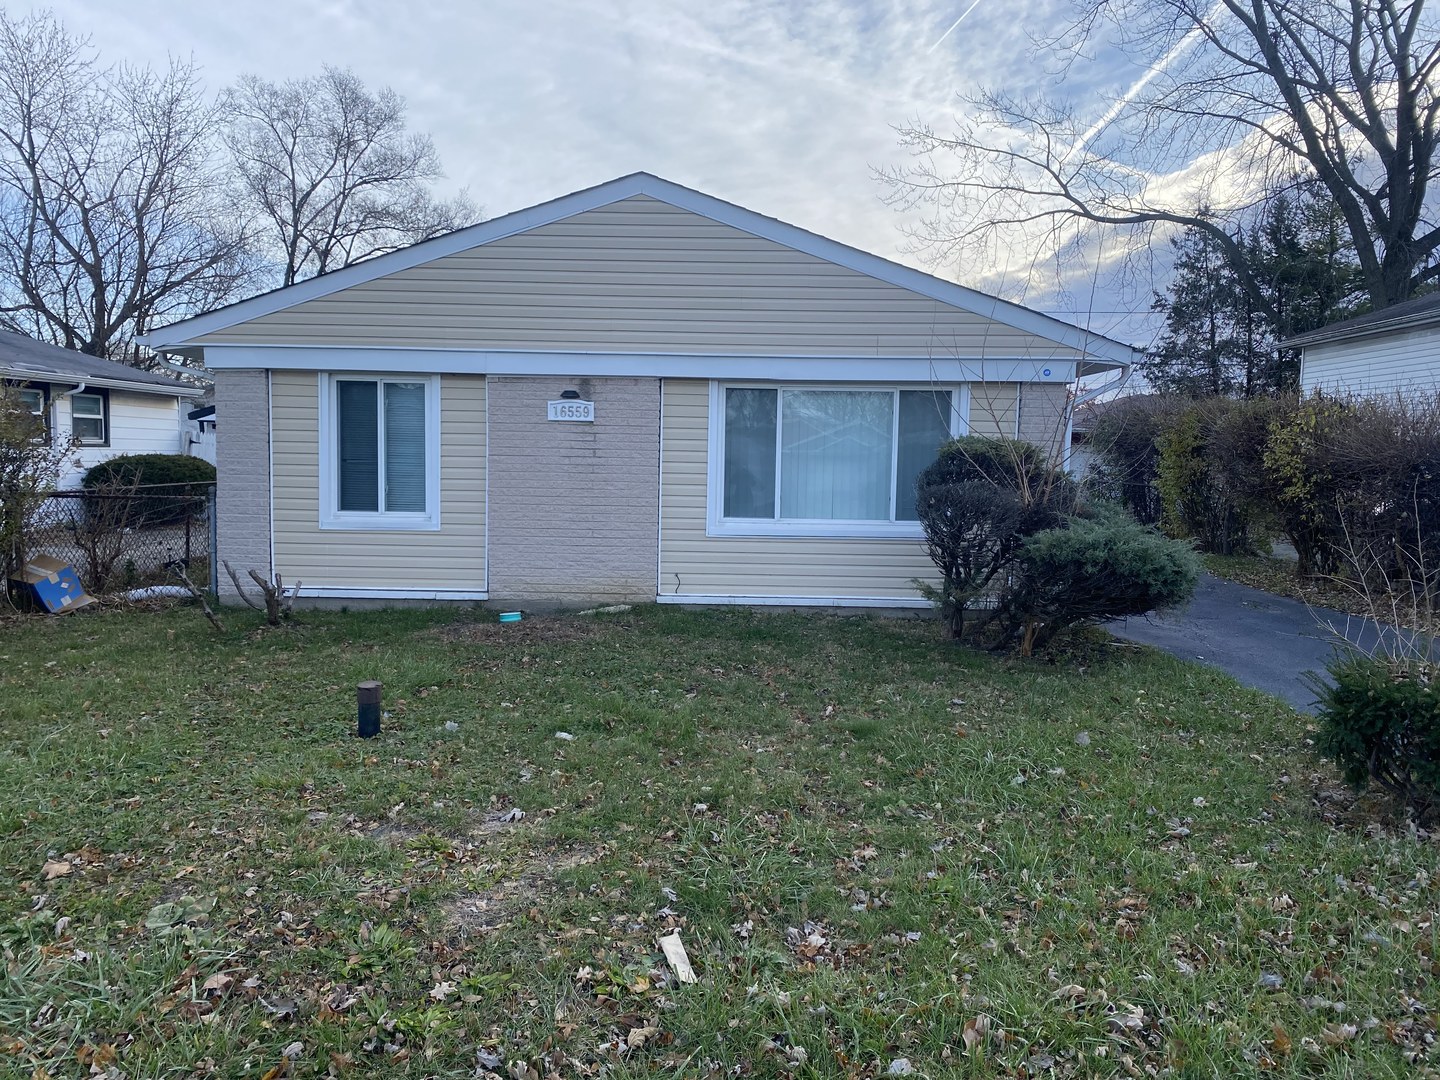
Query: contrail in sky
point(1126, 98)
point(957, 22)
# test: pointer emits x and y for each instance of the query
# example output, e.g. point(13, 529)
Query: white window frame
point(43, 412)
point(716, 524)
point(23, 390)
point(104, 417)
point(331, 516)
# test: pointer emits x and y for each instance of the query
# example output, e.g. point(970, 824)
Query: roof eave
point(1340, 332)
point(177, 390)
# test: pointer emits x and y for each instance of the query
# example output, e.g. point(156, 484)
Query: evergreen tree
point(1218, 340)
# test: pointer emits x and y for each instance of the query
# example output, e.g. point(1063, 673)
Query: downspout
point(55, 420)
point(1090, 395)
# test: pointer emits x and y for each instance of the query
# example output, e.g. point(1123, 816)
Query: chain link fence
point(127, 539)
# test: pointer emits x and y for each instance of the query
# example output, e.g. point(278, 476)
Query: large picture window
point(826, 461)
point(380, 439)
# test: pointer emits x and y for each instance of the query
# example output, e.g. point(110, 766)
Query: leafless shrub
point(279, 601)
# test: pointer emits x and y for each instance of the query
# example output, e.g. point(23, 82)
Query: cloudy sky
point(784, 106)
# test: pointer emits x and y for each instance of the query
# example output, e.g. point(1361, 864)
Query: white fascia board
point(1096, 347)
point(795, 601)
point(921, 369)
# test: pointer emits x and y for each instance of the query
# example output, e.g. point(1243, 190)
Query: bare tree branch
point(111, 217)
point(332, 172)
point(1245, 99)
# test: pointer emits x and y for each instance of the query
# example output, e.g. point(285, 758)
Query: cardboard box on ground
point(47, 582)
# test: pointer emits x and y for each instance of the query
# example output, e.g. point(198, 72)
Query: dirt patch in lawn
point(533, 630)
point(526, 883)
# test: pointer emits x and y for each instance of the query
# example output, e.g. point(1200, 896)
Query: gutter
point(1090, 395)
point(177, 390)
point(194, 373)
point(1396, 326)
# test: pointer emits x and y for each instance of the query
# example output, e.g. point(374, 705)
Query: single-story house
point(1393, 350)
point(634, 392)
point(107, 408)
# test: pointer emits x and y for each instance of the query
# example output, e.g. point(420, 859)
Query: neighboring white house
point(108, 408)
point(634, 392)
point(1393, 350)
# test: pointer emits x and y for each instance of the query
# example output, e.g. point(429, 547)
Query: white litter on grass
point(158, 592)
point(674, 950)
point(451, 725)
point(900, 1067)
point(564, 736)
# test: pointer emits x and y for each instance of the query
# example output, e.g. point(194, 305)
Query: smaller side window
point(32, 400)
point(88, 416)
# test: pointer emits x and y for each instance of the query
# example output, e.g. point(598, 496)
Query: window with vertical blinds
point(802, 456)
point(380, 436)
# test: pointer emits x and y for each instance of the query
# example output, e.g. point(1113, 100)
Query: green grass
point(875, 845)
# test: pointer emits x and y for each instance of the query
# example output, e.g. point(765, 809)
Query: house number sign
point(570, 409)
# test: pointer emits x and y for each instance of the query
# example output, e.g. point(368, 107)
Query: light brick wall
point(242, 465)
point(1043, 415)
point(574, 507)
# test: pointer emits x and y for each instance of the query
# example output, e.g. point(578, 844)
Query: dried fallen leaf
point(441, 990)
point(975, 1031)
point(54, 868)
point(1281, 1042)
point(1338, 1034)
point(637, 1037)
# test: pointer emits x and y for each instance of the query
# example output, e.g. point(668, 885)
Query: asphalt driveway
point(1265, 641)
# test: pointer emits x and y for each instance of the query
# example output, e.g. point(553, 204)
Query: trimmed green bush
point(977, 502)
point(1104, 567)
point(168, 488)
point(1380, 722)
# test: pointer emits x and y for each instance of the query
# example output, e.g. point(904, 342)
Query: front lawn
point(882, 852)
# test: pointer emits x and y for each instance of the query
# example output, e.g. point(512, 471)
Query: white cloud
point(781, 107)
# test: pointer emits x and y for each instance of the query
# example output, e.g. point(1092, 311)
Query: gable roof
point(1406, 315)
point(1103, 352)
point(24, 358)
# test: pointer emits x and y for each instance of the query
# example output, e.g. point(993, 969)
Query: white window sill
point(380, 523)
point(824, 530)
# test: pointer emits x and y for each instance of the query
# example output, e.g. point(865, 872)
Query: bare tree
point(111, 219)
point(1245, 100)
point(332, 173)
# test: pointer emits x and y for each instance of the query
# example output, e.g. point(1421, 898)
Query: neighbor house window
point(380, 441)
point(826, 461)
point(88, 419)
point(32, 400)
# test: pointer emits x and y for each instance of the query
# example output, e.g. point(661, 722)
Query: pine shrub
point(1380, 722)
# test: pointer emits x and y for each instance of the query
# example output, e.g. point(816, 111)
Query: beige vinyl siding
point(699, 565)
point(992, 409)
point(1379, 365)
point(640, 275)
point(452, 558)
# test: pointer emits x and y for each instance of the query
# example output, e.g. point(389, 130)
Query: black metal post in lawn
point(367, 697)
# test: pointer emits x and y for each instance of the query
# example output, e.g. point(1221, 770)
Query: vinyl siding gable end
point(640, 275)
